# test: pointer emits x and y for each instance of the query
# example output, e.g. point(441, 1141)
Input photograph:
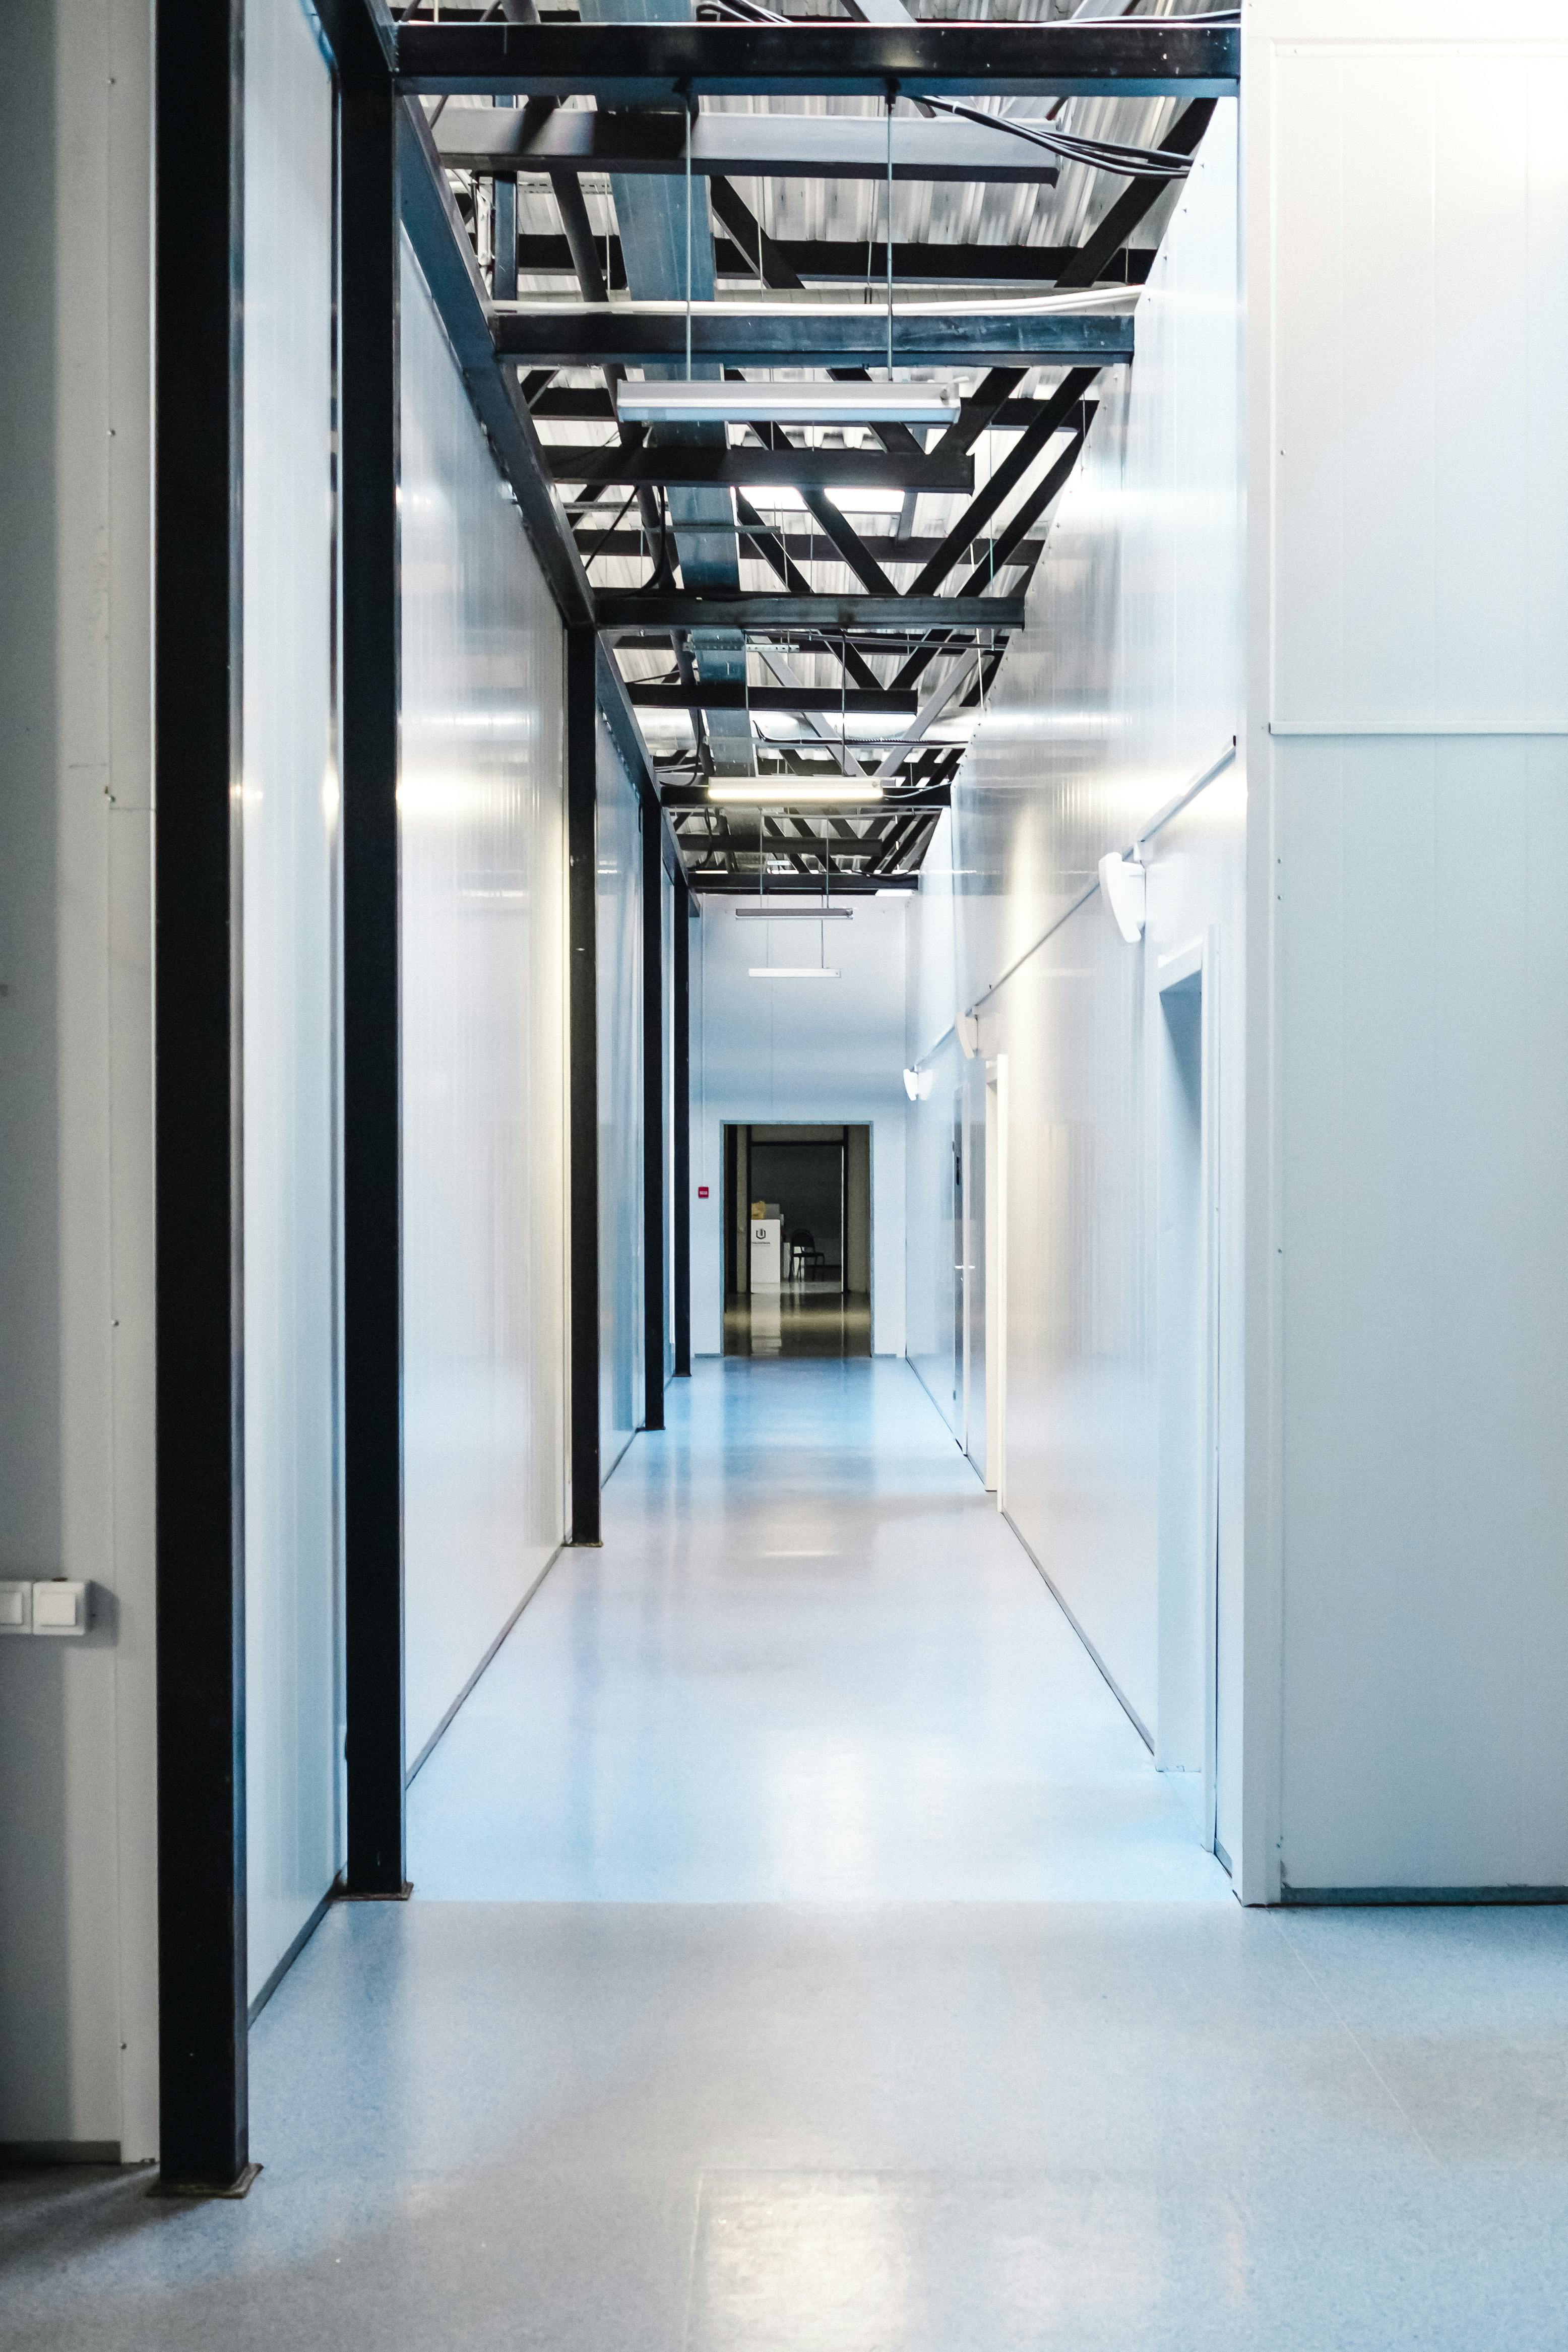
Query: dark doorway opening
point(796, 1241)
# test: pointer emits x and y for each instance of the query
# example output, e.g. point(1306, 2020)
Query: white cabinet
point(767, 1247)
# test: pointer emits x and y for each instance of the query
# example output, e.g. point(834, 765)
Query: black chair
point(805, 1257)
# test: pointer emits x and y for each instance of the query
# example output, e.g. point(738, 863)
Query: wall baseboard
point(1352, 1898)
point(25, 2155)
point(292, 1954)
point(1107, 1677)
point(446, 1723)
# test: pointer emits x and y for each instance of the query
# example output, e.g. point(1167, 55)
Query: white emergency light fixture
point(1124, 882)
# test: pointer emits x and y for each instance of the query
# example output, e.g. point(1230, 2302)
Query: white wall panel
point(1409, 643)
point(79, 2043)
point(483, 846)
point(618, 837)
point(291, 1021)
point(1419, 576)
point(1125, 688)
point(825, 1051)
point(1424, 1162)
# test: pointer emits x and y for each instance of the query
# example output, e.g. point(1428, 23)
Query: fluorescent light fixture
point(792, 972)
point(806, 912)
point(786, 403)
point(792, 791)
point(1124, 883)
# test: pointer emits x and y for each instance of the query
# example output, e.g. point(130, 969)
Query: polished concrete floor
point(801, 1319)
point(806, 1958)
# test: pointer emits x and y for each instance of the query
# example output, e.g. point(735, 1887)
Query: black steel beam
point(199, 1463)
point(728, 695)
point(1137, 200)
point(741, 146)
point(681, 1113)
point(626, 609)
point(833, 260)
point(666, 64)
point(724, 885)
point(652, 1112)
point(805, 335)
point(1064, 409)
point(441, 243)
point(635, 546)
point(582, 1022)
point(845, 469)
point(373, 1139)
point(825, 261)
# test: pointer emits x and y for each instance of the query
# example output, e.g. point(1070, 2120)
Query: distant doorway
point(796, 1241)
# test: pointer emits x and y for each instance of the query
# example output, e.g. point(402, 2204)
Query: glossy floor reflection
point(803, 1318)
point(811, 1662)
point(868, 1992)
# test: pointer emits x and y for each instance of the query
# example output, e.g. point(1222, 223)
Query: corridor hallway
point(805, 1957)
point(811, 1664)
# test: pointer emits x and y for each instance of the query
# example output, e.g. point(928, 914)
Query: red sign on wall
point(702, 1192)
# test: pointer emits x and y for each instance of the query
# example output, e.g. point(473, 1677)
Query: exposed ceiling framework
point(798, 608)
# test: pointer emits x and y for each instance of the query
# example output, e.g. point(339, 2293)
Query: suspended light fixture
point(786, 403)
point(792, 972)
point(793, 792)
point(809, 911)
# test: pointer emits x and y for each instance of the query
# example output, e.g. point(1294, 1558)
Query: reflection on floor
point(868, 1992)
point(811, 1662)
point(803, 1318)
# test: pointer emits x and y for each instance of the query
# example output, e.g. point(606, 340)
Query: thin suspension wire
point(890, 102)
point(691, 117)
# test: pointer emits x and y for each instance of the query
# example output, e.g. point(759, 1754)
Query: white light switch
point(60, 1607)
point(15, 1606)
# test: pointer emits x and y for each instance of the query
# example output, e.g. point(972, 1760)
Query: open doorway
point(796, 1241)
point(1187, 1389)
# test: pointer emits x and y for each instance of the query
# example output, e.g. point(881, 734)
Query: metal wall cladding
point(1413, 676)
point(291, 1018)
point(619, 860)
point(482, 799)
point(1125, 686)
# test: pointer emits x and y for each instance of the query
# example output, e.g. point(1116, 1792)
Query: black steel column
point(583, 1012)
point(372, 1204)
point(199, 1468)
point(681, 1206)
point(653, 1113)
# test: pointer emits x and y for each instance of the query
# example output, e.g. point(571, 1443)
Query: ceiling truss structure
point(786, 605)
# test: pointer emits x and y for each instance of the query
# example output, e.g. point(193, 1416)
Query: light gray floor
point(811, 1662)
point(1030, 2103)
